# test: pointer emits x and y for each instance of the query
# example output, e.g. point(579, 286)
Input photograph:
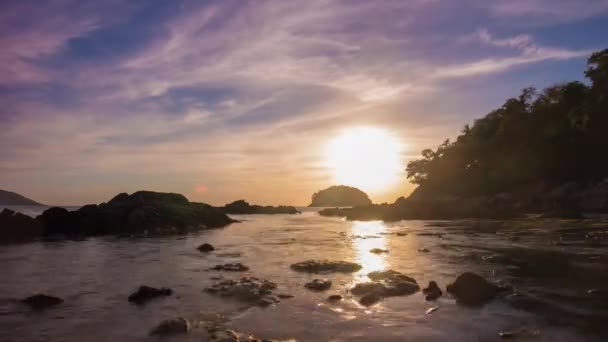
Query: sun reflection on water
point(367, 236)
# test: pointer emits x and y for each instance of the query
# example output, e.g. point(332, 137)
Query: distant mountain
point(340, 196)
point(11, 198)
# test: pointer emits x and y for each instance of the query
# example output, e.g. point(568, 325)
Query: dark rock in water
point(241, 207)
point(423, 250)
point(318, 285)
point(334, 298)
point(231, 267)
point(172, 327)
point(206, 248)
point(248, 289)
point(432, 291)
point(285, 296)
point(41, 301)
point(472, 289)
point(385, 284)
point(325, 266)
point(378, 250)
point(340, 196)
point(141, 213)
point(370, 299)
point(17, 227)
point(519, 333)
point(146, 293)
point(227, 335)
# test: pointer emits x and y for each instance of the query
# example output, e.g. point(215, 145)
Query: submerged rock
point(205, 248)
point(472, 289)
point(247, 289)
point(326, 266)
point(423, 250)
point(231, 267)
point(378, 250)
point(432, 291)
point(384, 284)
point(141, 213)
point(172, 327)
point(41, 301)
point(334, 298)
point(318, 285)
point(146, 293)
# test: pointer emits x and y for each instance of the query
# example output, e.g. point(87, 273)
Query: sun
point(367, 158)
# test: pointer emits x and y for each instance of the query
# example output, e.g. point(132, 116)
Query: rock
point(285, 296)
point(247, 289)
point(16, 227)
point(334, 298)
point(231, 267)
point(519, 333)
point(472, 289)
point(378, 250)
point(172, 327)
point(385, 284)
point(401, 234)
point(205, 248)
point(370, 299)
point(241, 207)
point(146, 293)
point(432, 291)
point(268, 300)
point(41, 301)
point(318, 285)
point(227, 335)
point(141, 213)
point(325, 266)
point(340, 196)
point(423, 250)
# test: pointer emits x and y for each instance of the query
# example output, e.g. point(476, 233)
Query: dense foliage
point(550, 137)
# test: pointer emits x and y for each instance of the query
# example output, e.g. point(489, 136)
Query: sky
point(223, 100)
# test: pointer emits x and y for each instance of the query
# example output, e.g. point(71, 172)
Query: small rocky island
point(141, 213)
point(13, 198)
point(340, 196)
point(241, 207)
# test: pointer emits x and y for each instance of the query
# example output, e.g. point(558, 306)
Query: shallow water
point(551, 264)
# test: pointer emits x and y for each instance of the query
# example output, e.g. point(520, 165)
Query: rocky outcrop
point(384, 284)
point(41, 301)
point(432, 291)
point(325, 266)
point(340, 196)
point(17, 227)
point(247, 289)
point(241, 207)
point(472, 289)
point(143, 212)
point(147, 293)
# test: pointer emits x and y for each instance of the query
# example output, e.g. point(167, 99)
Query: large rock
point(174, 326)
point(247, 289)
point(384, 284)
point(146, 293)
point(17, 227)
point(241, 207)
point(472, 289)
point(12, 198)
point(318, 284)
point(143, 212)
point(326, 266)
point(340, 196)
point(41, 301)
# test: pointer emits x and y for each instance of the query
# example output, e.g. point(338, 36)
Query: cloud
point(546, 11)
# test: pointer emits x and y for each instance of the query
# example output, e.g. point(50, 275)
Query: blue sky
point(222, 100)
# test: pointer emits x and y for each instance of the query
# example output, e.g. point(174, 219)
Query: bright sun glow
point(365, 157)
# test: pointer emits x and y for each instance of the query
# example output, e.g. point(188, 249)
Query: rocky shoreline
point(141, 213)
point(568, 201)
point(242, 207)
